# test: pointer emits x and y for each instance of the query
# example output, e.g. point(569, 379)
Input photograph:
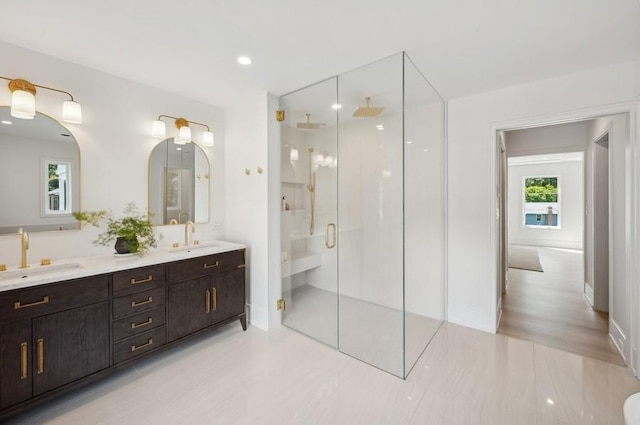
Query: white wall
point(472, 123)
point(571, 200)
point(247, 200)
point(560, 138)
point(620, 217)
point(115, 142)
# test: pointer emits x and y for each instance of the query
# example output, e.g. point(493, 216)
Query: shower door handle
point(326, 235)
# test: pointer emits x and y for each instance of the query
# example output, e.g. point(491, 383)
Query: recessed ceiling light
point(243, 60)
point(409, 142)
point(6, 122)
point(336, 106)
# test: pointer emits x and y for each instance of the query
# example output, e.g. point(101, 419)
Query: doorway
point(561, 223)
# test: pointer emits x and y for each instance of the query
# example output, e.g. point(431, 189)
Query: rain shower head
point(309, 125)
point(368, 111)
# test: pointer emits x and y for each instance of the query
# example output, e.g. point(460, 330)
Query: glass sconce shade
point(178, 141)
point(23, 105)
point(207, 138)
point(293, 154)
point(72, 112)
point(185, 134)
point(159, 129)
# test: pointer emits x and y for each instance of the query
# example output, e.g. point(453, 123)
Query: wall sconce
point(23, 101)
point(159, 130)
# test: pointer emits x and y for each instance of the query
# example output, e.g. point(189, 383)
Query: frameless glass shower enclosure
point(362, 222)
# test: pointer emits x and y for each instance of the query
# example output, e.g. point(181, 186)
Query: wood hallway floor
point(549, 308)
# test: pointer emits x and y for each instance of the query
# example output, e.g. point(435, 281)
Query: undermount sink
point(194, 247)
point(34, 271)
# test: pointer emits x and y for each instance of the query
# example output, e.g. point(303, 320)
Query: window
point(57, 187)
point(541, 202)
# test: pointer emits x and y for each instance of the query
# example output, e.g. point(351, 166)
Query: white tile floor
point(369, 332)
point(282, 377)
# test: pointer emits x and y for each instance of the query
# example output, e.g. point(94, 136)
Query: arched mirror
point(178, 184)
point(39, 175)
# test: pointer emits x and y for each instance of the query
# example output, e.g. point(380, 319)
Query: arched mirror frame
point(34, 197)
point(171, 199)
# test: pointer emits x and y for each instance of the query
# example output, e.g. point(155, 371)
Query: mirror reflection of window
point(58, 187)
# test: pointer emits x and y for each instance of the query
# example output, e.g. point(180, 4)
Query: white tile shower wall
point(115, 142)
point(371, 196)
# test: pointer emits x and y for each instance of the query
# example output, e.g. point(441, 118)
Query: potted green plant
point(133, 233)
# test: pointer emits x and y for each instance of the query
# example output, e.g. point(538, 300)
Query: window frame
point(524, 203)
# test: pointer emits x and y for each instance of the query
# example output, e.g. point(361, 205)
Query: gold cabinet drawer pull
point(138, 347)
point(207, 301)
point(24, 373)
point(135, 282)
point(210, 266)
point(137, 325)
point(40, 343)
point(18, 305)
point(214, 296)
point(139, 303)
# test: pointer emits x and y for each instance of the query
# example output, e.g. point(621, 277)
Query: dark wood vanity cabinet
point(58, 336)
point(139, 312)
point(206, 291)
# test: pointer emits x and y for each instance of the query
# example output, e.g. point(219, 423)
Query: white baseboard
point(588, 293)
point(258, 317)
point(618, 337)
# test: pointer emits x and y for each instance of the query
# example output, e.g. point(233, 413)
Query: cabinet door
point(69, 345)
point(15, 363)
point(189, 307)
point(228, 295)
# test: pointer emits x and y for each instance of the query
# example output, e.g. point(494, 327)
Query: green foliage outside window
point(541, 189)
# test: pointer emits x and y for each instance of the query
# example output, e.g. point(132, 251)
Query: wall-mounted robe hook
point(259, 170)
point(247, 171)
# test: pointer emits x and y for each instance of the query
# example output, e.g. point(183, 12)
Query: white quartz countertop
point(73, 268)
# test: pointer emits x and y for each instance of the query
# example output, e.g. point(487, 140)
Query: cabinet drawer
point(138, 323)
point(136, 280)
point(45, 299)
point(136, 303)
point(203, 266)
point(139, 344)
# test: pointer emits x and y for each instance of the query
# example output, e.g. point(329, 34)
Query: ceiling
point(462, 46)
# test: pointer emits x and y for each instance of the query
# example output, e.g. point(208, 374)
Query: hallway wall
point(472, 124)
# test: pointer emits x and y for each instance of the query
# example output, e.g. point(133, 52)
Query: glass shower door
point(309, 211)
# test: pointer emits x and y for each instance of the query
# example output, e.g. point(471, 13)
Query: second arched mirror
point(179, 178)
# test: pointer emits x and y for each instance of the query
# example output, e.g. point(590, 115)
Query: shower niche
point(362, 220)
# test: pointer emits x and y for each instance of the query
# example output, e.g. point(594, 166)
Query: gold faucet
point(24, 246)
point(186, 231)
point(173, 221)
